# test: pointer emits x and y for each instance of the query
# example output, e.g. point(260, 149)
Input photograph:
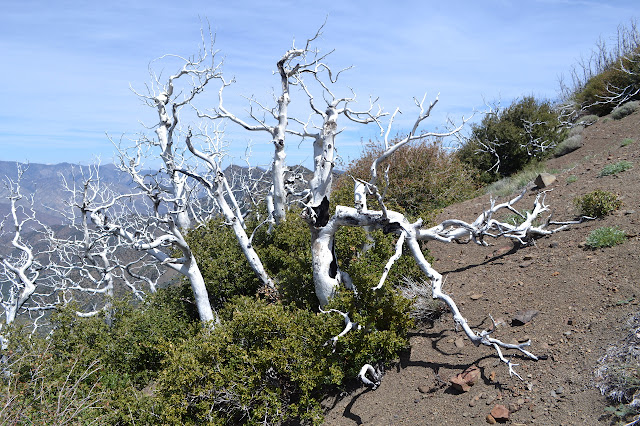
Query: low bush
point(614, 169)
point(605, 237)
point(597, 203)
point(222, 263)
point(423, 177)
point(36, 380)
point(596, 95)
point(588, 120)
point(101, 367)
point(509, 185)
point(572, 179)
point(568, 145)
point(626, 142)
point(575, 130)
point(529, 129)
point(618, 374)
point(425, 308)
point(625, 109)
point(272, 363)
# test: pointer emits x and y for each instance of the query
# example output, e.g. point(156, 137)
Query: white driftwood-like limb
point(218, 189)
point(368, 369)
point(391, 261)
point(454, 230)
point(348, 326)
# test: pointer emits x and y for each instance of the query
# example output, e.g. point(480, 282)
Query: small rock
point(500, 413)
point(524, 338)
point(570, 321)
point(466, 379)
point(560, 390)
point(492, 376)
point(523, 317)
point(554, 244)
point(424, 389)
point(513, 407)
point(459, 342)
point(543, 180)
point(499, 322)
point(525, 264)
point(490, 419)
point(475, 296)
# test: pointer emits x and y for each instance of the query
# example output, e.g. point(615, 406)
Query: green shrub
point(222, 263)
point(596, 97)
point(262, 363)
point(423, 177)
point(568, 145)
point(613, 169)
point(572, 179)
point(597, 203)
point(36, 379)
point(268, 363)
point(510, 131)
point(626, 142)
point(624, 110)
point(286, 255)
point(605, 237)
point(99, 366)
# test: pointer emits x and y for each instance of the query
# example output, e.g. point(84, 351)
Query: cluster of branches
point(43, 268)
point(189, 187)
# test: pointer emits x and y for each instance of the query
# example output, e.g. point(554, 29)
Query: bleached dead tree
point(90, 261)
point(323, 129)
point(23, 284)
point(181, 182)
point(158, 227)
point(291, 66)
point(175, 199)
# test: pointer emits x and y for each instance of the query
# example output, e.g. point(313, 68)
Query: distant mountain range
point(44, 182)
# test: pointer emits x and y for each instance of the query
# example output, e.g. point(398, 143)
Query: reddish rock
point(466, 379)
point(500, 413)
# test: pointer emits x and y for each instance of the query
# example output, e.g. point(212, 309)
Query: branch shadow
point(513, 250)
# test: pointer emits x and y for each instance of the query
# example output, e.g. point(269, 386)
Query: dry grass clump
point(618, 374)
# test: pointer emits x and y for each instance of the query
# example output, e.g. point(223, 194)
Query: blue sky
point(67, 65)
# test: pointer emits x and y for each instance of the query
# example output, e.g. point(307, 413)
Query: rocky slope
point(583, 297)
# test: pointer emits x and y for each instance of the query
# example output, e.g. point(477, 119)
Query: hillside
point(584, 297)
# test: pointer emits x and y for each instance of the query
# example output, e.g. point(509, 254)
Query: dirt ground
point(583, 296)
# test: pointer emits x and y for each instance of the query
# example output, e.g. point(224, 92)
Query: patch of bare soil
point(583, 297)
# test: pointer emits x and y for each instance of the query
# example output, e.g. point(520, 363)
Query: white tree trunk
point(200, 293)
